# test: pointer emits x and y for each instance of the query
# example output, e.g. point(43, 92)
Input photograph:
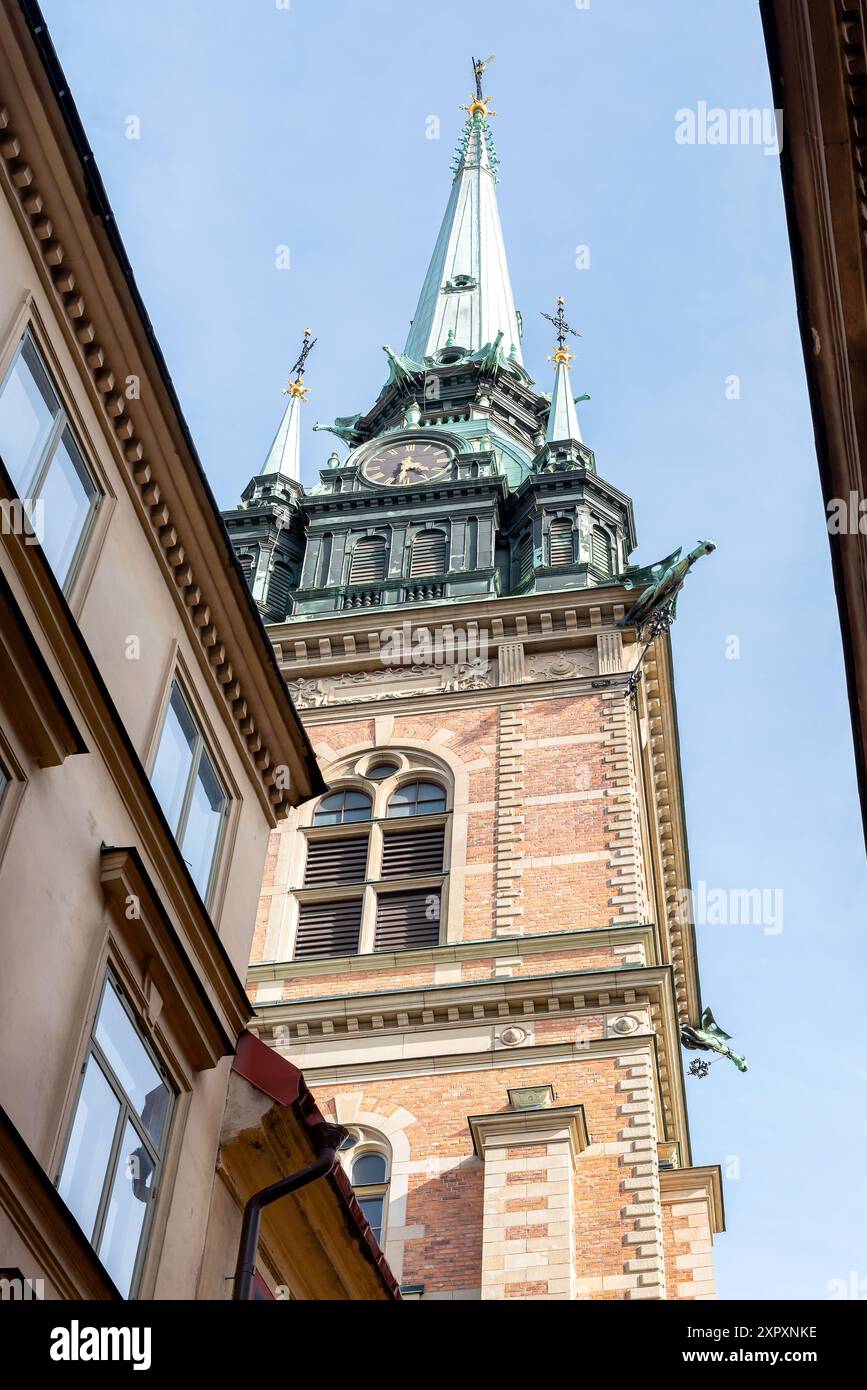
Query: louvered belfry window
point(428, 554)
point(560, 544)
point(279, 591)
point(368, 560)
point(246, 561)
point(374, 871)
point(412, 853)
point(336, 861)
point(328, 929)
point(407, 921)
point(600, 550)
point(525, 556)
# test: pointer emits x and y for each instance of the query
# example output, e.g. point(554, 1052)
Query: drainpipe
point(327, 1140)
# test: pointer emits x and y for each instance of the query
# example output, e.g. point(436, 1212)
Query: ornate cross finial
point(478, 104)
point(297, 387)
point(559, 321)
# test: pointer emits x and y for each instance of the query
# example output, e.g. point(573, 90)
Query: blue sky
point(305, 127)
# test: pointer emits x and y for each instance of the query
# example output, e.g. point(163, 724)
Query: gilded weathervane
point(297, 387)
point(562, 353)
point(478, 104)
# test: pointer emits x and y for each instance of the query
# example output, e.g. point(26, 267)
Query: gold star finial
point(563, 356)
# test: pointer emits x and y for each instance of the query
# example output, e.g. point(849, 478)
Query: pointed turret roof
point(467, 299)
point(563, 417)
point(284, 456)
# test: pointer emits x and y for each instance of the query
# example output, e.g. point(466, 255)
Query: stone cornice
point(542, 1126)
point(680, 1184)
point(428, 1007)
point(627, 934)
point(112, 341)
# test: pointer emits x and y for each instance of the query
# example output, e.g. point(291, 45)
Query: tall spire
point(466, 299)
point(562, 417)
point(284, 456)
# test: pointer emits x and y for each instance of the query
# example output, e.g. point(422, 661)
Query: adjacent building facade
point(476, 943)
point(817, 50)
point(148, 748)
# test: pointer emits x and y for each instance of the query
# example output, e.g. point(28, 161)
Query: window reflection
point(116, 1141)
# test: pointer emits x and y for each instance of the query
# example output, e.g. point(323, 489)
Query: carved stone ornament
point(403, 683)
point(562, 665)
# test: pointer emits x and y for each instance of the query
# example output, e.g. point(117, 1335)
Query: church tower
point(475, 944)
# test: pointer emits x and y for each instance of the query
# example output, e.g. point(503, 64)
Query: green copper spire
point(284, 456)
point(466, 299)
point(562, 417)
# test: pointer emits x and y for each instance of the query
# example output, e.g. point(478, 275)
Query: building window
point(428, 555)
point(369, 1175)
point(417, 799)
point(189, 790)
point(340, 807)
point(117, 1140)
point(247, 563)
point(368, 560)
point(560, 543)
point(280, 591)
point(380, 771)
point(600, 550)
point(44, 461)
point(378, 887)
point(325, 556)
point(524, 557)
point(472, 543)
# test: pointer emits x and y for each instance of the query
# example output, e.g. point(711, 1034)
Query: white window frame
point(203, 744)
point(42, 468)
point(126, 1114)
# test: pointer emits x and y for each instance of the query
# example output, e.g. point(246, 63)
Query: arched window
point(600, 550)
point(387, 881)
point(340, 807)
point(560, 543)
point(429, 554)
point(369, 1172)
point(368, 560)
point(417, 799)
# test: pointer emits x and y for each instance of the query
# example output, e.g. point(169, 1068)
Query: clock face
point(406, 462)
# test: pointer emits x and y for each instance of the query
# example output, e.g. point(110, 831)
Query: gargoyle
point(663, 582)
point(710, 1038)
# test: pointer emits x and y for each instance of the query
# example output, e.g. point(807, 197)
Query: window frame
point(62, 423)
point(371, 1144)
point(205, 743)
point(126, 1115)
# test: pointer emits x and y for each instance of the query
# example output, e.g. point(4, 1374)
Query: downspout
point(327, 1140)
